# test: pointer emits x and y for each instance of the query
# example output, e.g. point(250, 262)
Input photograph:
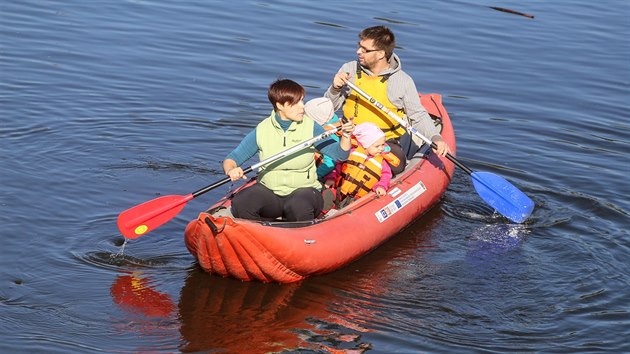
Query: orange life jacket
point(361, 172)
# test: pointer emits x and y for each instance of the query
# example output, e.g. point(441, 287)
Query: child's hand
point(329, 183)
point(380, 191)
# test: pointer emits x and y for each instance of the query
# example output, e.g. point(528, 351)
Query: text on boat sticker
point(400, 202)
point(394, 192)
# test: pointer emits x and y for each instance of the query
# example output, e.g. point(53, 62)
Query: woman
point(287, 188)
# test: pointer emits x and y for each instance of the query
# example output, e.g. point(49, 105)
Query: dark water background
point(106, 104)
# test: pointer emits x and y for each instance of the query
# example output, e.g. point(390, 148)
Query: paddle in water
point(144, 218)
point(500, 194)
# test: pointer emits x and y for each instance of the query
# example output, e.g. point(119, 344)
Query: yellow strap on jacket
point(363, 111)
point(361, 172)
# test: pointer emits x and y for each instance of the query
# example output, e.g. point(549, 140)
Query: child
point(367, 168)
point(322, 112)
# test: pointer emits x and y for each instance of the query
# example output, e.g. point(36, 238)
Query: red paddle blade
point(141, 219)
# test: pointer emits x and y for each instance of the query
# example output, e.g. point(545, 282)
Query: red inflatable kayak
point(286, 252)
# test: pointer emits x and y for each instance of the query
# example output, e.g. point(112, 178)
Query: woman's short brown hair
point(285, 91)
point(383, 38)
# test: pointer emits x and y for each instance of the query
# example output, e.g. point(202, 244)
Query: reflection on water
point(499, 238)
point(137, 293)
point(238, 317)
point(119, 260)
point(473, 211)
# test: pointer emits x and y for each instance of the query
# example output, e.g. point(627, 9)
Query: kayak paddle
point(143, 218)
point(494, 190)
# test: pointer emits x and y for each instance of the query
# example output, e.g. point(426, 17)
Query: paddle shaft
point(496, 191)
point(406, 125)
point(270, 159)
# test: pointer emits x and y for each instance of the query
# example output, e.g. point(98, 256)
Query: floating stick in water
point(511, 11)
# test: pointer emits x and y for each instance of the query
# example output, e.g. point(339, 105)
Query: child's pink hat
point(367, 134)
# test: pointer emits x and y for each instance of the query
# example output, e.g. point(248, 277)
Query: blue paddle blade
point(503, 196)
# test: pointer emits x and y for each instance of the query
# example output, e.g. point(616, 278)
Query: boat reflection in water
point(248, 317)
point(239, 317)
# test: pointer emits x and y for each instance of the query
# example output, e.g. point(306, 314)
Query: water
point(108, 104)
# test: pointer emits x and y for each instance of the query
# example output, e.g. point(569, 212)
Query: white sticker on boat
point(400, 202)
point(394, 192)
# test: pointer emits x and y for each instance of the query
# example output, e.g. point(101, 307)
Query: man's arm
point(402, 92)
point(338, 96)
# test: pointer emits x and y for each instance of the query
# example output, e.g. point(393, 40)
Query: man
point(378, 72)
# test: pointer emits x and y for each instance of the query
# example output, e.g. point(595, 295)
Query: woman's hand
point(236, 173)
point(347, 128)
point(329, 183)
point(232, 170)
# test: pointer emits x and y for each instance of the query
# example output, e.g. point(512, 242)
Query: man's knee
point(397, 151)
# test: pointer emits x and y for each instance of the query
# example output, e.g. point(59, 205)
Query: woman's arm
point(330, 147)
point(243, 152)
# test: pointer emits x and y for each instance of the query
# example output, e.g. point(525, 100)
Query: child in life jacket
point(368, 167)
point(321, 110)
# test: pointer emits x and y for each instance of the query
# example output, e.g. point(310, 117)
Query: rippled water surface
point(106, 104)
